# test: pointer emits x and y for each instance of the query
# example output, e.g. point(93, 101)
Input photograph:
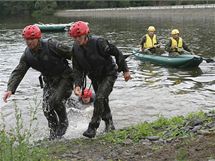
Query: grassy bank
point(144, 140)
point(190, 137)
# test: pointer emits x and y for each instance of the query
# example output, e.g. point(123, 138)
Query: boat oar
point(208, 60)
point(127, 55)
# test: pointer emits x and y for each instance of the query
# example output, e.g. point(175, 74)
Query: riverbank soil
point(197, 148)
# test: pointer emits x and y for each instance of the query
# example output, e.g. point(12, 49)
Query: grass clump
point(165, 128)
point(15, 143)
point(160, 128)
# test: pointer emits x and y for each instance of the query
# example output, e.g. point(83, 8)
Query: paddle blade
point(126, 56)
point(208, 60)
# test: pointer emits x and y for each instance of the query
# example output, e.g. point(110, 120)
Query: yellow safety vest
point(178, 44)
point(150, 43)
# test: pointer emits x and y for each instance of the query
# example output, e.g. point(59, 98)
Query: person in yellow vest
point(176, 45)
point(149, 42)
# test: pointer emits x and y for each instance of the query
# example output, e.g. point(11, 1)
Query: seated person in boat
point(149, 42)
point(176, 45)
point(87, 96)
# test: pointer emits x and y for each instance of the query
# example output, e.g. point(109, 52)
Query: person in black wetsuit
point(50, 58)
point(92, 58)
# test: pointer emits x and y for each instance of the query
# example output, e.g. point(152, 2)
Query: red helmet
point(87, 93)
point(79, 28)
point(31, 32)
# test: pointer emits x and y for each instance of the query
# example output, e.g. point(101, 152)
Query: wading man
point(50, 58)
point(92, 58)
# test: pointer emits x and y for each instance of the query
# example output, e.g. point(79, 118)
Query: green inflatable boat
point(181, 61)
point(53, 27)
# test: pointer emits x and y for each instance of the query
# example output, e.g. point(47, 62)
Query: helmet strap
point(86, 39)
point(38, 46)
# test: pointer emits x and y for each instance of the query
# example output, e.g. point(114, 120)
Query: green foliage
point(166, 128)
point(15, 144)
point(116, 136)
point(135, 133)
point(39, 8)
point(44, 7)
point(140, 131)
point(13, 8)
point(95, 4)
point(170, 128)
point(196, 115)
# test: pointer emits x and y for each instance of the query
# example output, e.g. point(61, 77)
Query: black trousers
point(101, 104)
point(55, 94)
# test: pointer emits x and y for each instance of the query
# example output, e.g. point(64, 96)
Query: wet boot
point(62, 129)
point(53, 134)
point(90, 132)
point(109, 126)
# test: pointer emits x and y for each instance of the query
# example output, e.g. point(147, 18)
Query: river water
point(153, 91)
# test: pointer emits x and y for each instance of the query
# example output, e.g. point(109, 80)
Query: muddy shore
point(180, 138)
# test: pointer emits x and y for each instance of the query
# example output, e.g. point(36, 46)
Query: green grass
point(196, 115)
point(15, 143)
point(165, 128)
point(162, 127)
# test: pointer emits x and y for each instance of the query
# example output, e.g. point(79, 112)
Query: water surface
point(153, 91)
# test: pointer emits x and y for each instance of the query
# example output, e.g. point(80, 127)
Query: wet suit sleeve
point(77, 72)
point(60, 49)
point(143, 40)
point(109, 49)
point(185, 47)
point(168, 46)
point(158, 41)
point(17, 75)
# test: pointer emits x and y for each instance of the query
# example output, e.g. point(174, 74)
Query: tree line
point(47, 7)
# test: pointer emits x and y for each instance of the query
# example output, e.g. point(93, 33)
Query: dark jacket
point(50, 60)
point(94, 59)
